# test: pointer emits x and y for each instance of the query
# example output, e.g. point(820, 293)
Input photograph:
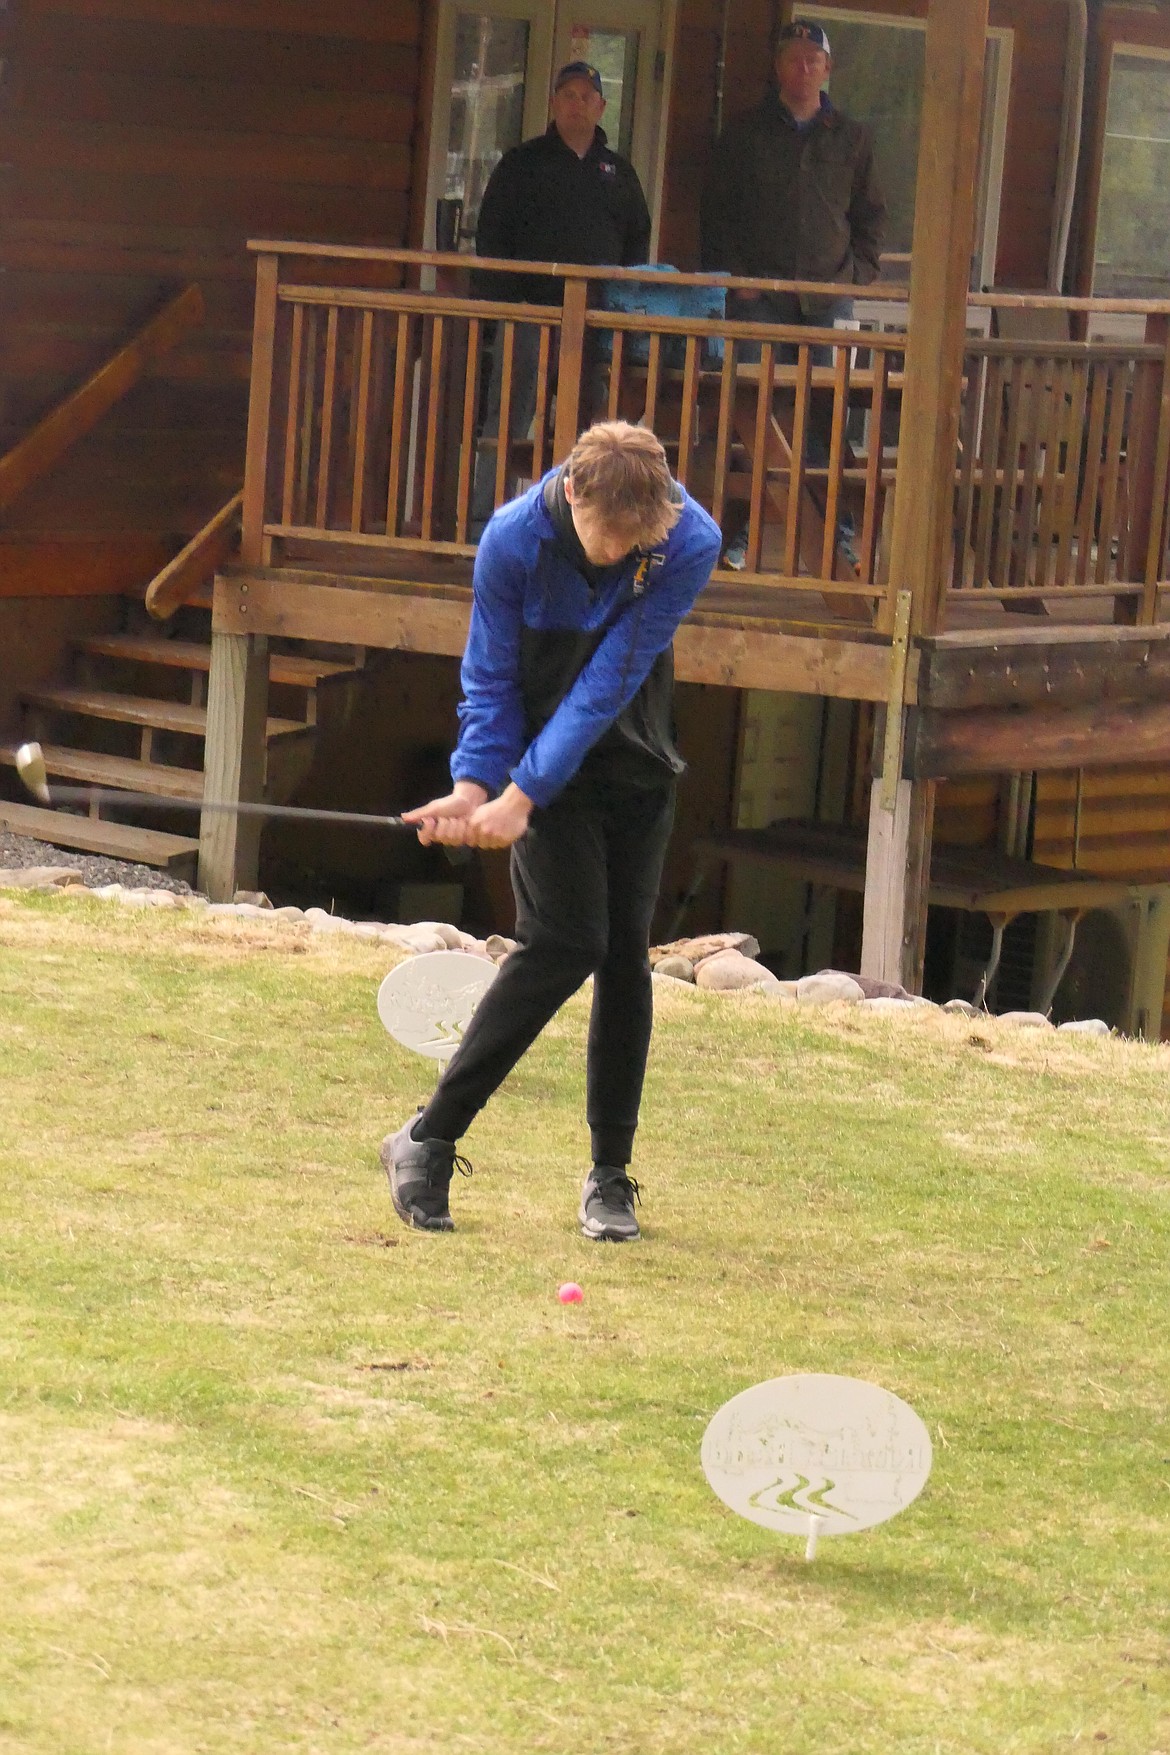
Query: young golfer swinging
point(566, 755)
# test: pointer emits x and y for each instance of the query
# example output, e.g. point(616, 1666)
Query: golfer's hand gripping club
point(467, 817)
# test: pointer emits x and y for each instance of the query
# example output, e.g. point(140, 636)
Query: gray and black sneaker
point(419, 1173)
point(607, 1206)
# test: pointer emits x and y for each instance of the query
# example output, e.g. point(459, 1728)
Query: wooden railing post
point(900, 825)
point(571, 367)
point(252, 544)
point(940, 268)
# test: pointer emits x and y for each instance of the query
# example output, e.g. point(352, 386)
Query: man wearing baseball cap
point(563, 196)
point(792, 195)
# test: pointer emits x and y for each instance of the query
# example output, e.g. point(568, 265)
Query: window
point(1131, 256)
point(615, 55)
point(492, 73)
point(487, 106)
point(878, 67)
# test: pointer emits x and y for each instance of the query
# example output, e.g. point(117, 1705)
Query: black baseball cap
point(579, 70)
point(802, 30)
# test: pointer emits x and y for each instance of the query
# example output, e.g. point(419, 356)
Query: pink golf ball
point(570, 1293)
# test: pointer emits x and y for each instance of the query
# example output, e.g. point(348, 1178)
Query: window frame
point(991, 195)
point(538, 15)
point(1129, 33)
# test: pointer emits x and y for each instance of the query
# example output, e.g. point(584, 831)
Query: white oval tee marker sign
point(814, 1454)
point(426, 1002)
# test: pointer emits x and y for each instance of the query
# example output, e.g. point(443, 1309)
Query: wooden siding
point(966, 812)
point(142, 143)
point(1115, 821)
point(1027, 209)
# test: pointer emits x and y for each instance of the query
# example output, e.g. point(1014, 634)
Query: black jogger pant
point(586, 878)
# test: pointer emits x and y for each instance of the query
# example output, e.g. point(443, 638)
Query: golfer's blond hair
point(621, 474)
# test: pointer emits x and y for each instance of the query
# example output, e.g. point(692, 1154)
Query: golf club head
point(30, 765)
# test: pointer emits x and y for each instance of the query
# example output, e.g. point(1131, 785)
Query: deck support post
point(897, 873)
point(897, 876)
point(897, 860)
point(237, 713)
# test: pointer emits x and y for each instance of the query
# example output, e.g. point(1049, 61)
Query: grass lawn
point(278, 1476)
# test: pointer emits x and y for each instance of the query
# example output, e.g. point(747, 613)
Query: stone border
point(723, 962)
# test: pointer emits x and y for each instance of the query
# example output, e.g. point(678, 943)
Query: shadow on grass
point(920, 1593)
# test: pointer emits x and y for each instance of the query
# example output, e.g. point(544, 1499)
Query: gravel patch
point(18, 851)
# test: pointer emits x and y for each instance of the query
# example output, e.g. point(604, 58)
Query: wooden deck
point(749, 636)
point(1039, 639)
point(366, 404)
point(740, 635)
point(364, 439)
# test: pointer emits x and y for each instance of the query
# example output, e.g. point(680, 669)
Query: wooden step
point(176, 854)
point(117, 771)
point(137, 710)
point(287, 669)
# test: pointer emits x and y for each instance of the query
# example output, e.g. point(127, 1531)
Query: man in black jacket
point(792, 195)
point(563, 196)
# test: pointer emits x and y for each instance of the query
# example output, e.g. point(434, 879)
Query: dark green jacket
point(794, 204)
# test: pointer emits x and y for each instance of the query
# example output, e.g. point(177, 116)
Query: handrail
point(1004, 298)
point(991, 347)
point(568, 270)
point(80, 411)
point(405, 298)
point(414, 303)
point(418, 303)
point(195, 564)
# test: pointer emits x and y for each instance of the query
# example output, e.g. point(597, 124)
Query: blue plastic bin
point(657, 298)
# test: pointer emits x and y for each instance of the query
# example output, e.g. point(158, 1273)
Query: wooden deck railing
point(1061, 477)
point(368, 406)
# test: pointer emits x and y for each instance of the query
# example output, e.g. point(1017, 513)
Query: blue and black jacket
point(559, 666)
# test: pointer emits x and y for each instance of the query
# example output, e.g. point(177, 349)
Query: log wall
point(142, 142)
point(1115, 821)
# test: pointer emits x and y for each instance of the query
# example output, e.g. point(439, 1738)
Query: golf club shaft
point(91, 795)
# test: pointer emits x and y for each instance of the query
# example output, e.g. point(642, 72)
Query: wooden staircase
point(130, 711)
point(118, 721)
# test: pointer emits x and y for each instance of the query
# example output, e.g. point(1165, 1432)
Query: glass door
point(491, 91)
point(621, 39)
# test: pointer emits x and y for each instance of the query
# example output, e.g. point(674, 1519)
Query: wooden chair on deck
point(1039, 482)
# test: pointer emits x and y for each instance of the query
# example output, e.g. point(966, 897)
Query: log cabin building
point(238, 394)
